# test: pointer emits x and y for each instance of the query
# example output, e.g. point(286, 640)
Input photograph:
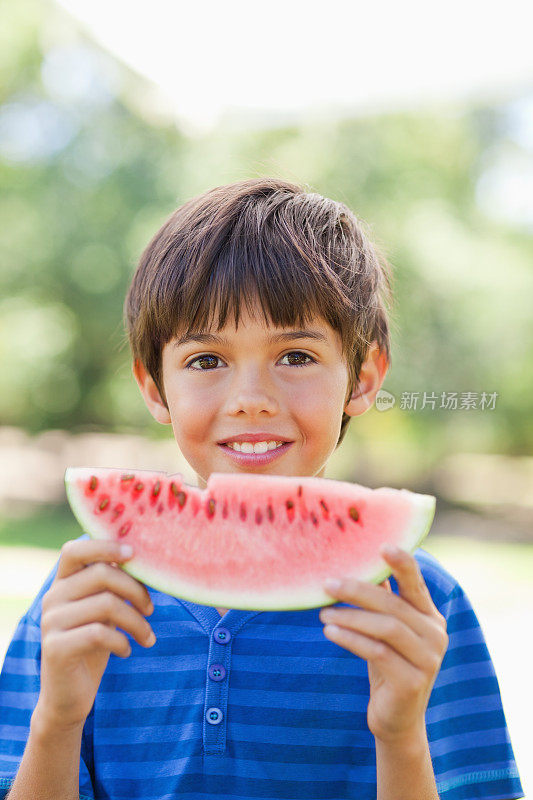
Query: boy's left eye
point(211, 357)
point(299, 353)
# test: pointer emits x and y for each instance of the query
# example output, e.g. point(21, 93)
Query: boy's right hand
point(80, 613)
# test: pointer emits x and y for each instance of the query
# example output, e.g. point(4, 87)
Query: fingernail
point(331, 629)
point(126, 550)
point(332, 583)
point(389, 550)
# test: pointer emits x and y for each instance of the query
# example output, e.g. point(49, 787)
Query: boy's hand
point(403, 639)
point(80, 612)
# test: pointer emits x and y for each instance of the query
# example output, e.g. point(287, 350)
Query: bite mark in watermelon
point(247, 541)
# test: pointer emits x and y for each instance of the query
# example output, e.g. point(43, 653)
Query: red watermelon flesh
point(247, 541)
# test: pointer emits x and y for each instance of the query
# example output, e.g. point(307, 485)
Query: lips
point(250, 460)
point(262, 436)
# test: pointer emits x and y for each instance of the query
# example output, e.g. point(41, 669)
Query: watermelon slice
point(247, 541)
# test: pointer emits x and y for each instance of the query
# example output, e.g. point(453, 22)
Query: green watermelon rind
point(309, 597)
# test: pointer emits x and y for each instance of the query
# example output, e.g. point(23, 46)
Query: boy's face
point(291, 390)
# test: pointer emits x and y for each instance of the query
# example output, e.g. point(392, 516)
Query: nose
point(251, 394)
point(251, 404)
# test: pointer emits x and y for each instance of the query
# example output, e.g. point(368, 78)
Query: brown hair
point(260, 240)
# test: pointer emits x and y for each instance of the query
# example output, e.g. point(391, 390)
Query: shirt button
point(217, 672)
point(222, 635)
point(213, 715)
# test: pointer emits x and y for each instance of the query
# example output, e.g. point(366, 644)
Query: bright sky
point(286, 58)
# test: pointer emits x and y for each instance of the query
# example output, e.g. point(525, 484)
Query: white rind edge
point(87, 521)
point(424, 512)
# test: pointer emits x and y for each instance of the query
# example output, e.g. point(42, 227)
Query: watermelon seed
point(225, 509)
point(104, 503)
point(270, 512)
point(160, 508)
point(290, 509)
point(258, 516)
point(126, 478)
point(324, 506)
point(340, 523)
point(210, 507)
point(156, 489)
point(299, 491)
point(141, 509)
point(353, 512)
point(93, 483)
point(117, 511)
point(243, 511)
point(125, 528)
point(314, 518)
point(182, 497)
point(139, 487)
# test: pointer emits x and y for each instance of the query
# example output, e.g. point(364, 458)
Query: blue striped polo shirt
point(260, 705)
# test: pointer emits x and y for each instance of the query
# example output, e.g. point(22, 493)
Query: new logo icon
point(384, 400)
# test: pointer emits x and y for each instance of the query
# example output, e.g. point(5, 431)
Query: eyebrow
point(212, 338)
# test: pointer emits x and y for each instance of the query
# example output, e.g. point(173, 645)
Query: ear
point(150, 392)
point(371, 376)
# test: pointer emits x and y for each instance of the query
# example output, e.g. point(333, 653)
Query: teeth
point(260, 447)
point(257, 447)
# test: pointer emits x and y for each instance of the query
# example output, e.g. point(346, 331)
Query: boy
point(278, 298)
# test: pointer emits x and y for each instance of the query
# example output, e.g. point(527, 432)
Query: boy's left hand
point(403, 638)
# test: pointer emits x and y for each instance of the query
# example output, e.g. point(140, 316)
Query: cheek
point(321, 402)
point(192, 407)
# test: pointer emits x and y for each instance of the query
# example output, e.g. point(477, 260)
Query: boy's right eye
point(206, 357)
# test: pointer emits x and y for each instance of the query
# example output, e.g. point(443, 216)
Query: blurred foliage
point(49, 528)
point(89, 170)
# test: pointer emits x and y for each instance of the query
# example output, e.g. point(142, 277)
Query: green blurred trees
point(88, 174)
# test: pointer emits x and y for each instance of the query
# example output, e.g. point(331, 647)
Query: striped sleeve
point(467, 731)
point(19, 690)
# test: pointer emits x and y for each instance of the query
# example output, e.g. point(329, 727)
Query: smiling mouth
point(256, 447)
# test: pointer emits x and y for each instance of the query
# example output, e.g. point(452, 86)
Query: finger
point(384, 628)
point(105, 608)
point(59, 645)
point(99, 577)
point(375, 598)
point(79, 553)
point(411, 584)
point(390, 664)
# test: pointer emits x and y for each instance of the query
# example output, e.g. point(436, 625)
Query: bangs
point(269, 270)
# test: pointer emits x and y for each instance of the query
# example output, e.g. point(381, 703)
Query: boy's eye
point(210, 358)
point(205, 358)
point(300, 354)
